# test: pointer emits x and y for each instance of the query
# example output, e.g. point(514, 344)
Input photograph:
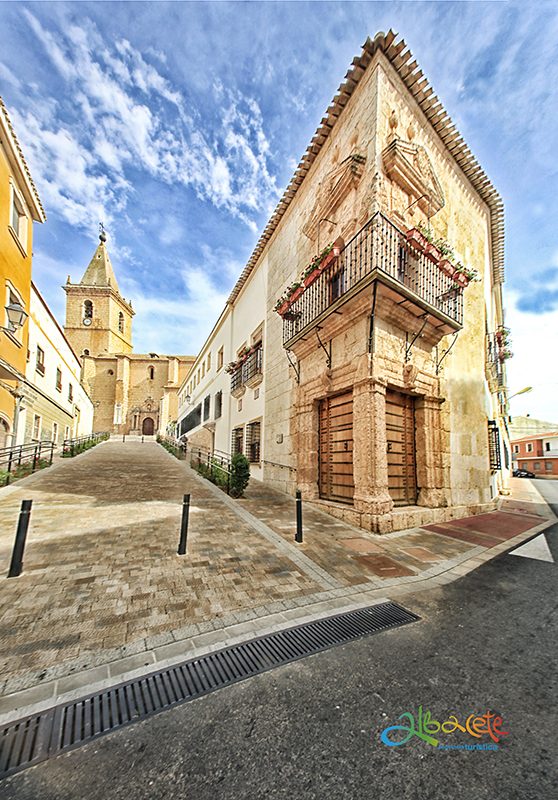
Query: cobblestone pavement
point(102, 580)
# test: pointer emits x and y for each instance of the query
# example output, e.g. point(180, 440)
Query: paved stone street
point(102, 581)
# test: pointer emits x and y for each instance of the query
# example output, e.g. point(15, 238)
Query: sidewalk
point(104, 595)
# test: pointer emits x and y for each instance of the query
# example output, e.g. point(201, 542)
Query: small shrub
point(240, 474)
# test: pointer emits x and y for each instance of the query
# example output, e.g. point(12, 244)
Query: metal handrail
point(11, 458)
point(71, 445)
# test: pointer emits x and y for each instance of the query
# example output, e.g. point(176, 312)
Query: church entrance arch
point(148, 427)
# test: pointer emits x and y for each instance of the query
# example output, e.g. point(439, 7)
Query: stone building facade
point(385, 391)
point(127, 388)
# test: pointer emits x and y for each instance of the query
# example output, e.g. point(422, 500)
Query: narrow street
point(312, 729)
point(102, 583)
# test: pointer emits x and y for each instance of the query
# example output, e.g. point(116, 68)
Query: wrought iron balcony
point(252, 368)
point(494, 361)
point(378, 252)
point(248, 373)
point(237, 384)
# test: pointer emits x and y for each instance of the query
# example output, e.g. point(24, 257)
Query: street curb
point(200, 638)
point(97, 670)
point(39, 698)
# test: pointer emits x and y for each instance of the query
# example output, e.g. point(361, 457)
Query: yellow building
point(20, 206)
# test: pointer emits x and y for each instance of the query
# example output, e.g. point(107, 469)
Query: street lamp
point(16, 315)
point(522, 391)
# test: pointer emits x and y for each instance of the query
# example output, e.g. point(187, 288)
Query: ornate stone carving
point(408, 165)
point(334, 188)
point(410, 373)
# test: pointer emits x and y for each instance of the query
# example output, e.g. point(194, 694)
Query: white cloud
point(534, 345)
point(171, 231)
point(102, 125)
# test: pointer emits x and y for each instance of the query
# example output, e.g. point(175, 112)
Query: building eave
point(19, 165)
point(409, 71)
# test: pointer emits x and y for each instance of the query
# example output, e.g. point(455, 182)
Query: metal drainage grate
point(34, 739)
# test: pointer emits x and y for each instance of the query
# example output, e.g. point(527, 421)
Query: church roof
point(100, 271)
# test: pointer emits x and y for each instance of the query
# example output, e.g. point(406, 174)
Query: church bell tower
point(98, 318)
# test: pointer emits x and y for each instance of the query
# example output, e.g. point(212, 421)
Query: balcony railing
point(237, 384)
point(494, 361)
point(252, 368)
point(249, 373)
point(379, 250)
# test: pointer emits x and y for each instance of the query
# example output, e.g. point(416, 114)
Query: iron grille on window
point(237, 441)
point(218, 404)
point(191, 420)
point(253, 438)
point(206, 409)
point(494, 446)
point(253, 364)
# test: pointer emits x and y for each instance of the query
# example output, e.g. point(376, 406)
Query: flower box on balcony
point(446, 267)
point(311, 277)
point(431, 252)
point(460, 278)
point(416, 240)
point(296, 294)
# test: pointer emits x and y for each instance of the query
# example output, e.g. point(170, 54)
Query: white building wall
point(237, 326)
point(45, 333)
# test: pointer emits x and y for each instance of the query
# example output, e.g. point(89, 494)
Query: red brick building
point(537, 453)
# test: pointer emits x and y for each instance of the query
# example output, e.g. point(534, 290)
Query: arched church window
point(87, 309)
point(121, 322)
point(151, 373)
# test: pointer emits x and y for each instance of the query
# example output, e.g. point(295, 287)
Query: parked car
point(523, 473)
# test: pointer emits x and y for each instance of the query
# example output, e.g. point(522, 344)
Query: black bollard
point(142, 439)
point(298, 535)
point(184, 525)
point(16, 564)
point(124, 438)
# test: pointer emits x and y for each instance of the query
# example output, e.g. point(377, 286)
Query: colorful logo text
point(425, 728)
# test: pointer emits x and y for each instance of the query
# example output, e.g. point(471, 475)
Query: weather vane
point(102, 232)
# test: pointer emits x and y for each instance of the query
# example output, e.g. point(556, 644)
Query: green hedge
point(177, 452)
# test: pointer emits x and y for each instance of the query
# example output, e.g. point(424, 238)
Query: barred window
point(218, 404)
point(494, 446)
point(253, 439)
point(237, 441)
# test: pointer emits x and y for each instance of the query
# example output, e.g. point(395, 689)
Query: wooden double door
point(336, 448)
point(401, 449)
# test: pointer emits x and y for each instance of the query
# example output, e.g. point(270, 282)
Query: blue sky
point(180, 124)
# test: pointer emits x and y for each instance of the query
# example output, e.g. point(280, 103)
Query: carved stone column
point(429, 439)
point(370, 447)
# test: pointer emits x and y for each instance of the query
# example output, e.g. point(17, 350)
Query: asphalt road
point(312, 729)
